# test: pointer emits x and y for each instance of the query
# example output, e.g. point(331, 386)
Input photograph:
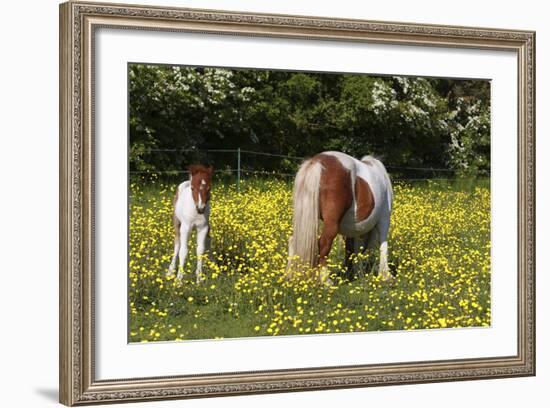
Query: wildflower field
point(439, 250)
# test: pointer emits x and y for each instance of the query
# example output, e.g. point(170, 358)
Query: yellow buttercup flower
point(439, 249)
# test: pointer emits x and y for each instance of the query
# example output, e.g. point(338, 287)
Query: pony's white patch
point(183, 186)
point(373, 172)
point(347, 161)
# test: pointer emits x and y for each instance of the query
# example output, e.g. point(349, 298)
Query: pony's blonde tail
point(303, 244)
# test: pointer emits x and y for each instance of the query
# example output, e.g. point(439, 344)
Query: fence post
point(238, 169)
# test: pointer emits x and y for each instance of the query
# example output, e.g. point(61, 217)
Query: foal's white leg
point(202, 244)
point(172, 268)
point(184, 236)
point(383, 228)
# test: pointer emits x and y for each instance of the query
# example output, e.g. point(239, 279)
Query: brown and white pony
point(352, 197)
point(192, 210)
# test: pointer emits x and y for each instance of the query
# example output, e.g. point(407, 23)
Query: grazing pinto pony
point(352, 197)
point(192, 210)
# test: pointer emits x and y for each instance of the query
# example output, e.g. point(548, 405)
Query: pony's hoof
point(200, 277)
point(324, 277)
point(389, 278)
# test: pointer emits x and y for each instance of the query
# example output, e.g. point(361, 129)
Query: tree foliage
point(407, 122)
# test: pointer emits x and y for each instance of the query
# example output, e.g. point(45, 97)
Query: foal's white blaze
point(200, 204)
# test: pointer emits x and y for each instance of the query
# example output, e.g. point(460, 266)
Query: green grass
point(439, 249)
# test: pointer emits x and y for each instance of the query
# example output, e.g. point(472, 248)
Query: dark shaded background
point(419, 127)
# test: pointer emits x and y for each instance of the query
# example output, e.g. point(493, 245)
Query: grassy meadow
point(439, 250)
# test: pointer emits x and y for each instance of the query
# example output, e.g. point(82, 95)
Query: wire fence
point(239, 171)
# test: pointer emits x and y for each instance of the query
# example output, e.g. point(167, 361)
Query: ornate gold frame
point(78, 20)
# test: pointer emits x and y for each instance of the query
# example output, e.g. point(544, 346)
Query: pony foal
point(192, 210)
point(352, 197)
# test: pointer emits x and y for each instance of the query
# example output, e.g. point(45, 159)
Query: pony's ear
point(192, 169)
point(210, 169)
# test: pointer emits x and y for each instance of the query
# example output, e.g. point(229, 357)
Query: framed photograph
point(256, 203)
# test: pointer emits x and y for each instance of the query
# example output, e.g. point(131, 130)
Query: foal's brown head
point(201, 177)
